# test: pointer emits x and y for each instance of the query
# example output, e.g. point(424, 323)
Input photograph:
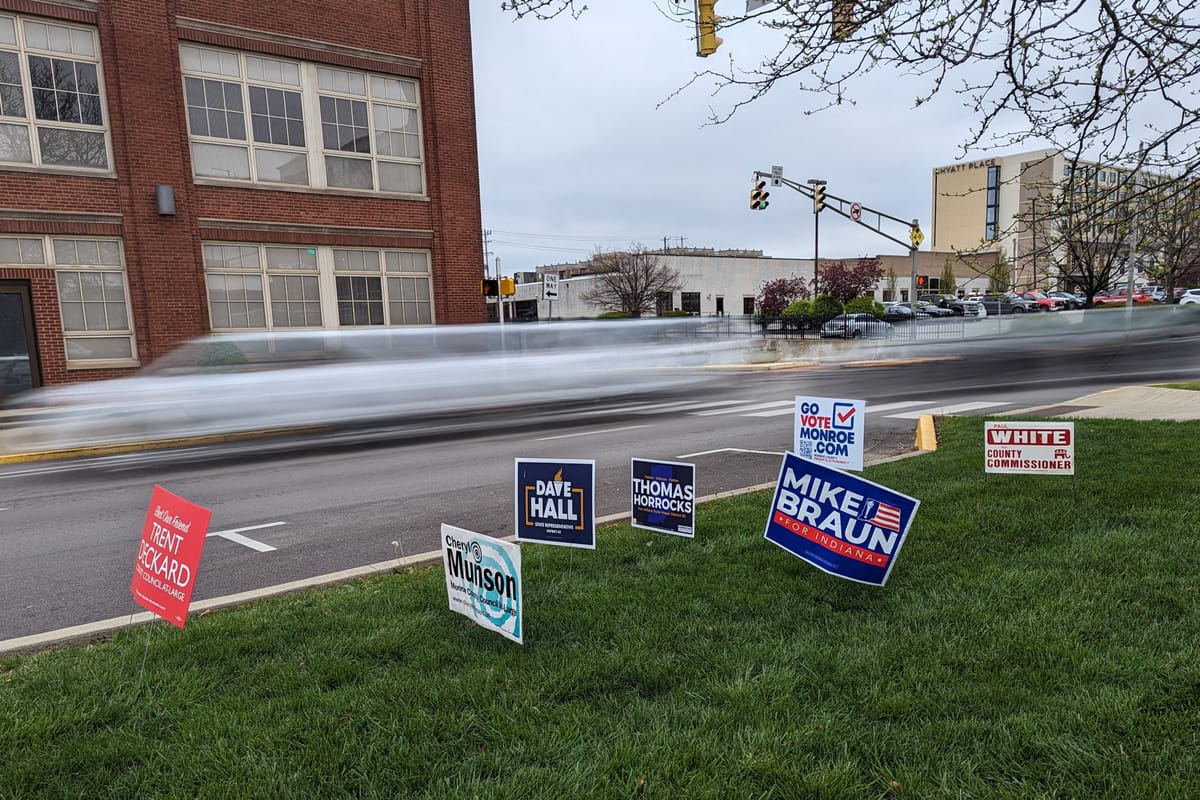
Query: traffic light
point(489, 287)
point(759, 195)
point(818, 198)
point(508, 287)
point(707, 40)
point(922, 282)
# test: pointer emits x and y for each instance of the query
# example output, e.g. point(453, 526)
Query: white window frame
point(87, 41)
point(391, 266)
point(47, 259)
point(201, 62)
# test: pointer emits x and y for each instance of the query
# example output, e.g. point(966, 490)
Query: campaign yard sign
point(556, 502)
point(483, 580)
point(1029, 448)
point(168, 557)
point(662, 496)
point(830, 431)
point(840, 523)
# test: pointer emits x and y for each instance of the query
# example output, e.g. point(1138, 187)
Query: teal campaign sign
point(555, 502)
point(483, 580)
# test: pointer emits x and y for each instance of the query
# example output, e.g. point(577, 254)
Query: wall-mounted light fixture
point(164, 196)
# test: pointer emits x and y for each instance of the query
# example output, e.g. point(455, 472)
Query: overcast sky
point(579, 152)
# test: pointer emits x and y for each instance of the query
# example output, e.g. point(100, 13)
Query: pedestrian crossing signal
point(759, 195)
point(489, 287)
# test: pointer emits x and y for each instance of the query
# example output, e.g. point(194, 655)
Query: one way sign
point(549, 287)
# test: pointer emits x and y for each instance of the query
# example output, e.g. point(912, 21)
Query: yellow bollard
point(926, 433)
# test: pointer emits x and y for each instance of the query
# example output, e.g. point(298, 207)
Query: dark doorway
point(19, 368)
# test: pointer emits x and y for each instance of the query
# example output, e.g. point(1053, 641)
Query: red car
point(1044, 300)
point(1117, 298)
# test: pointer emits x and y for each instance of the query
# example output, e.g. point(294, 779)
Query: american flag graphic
point(881, 514)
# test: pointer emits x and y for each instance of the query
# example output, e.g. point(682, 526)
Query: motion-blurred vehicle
point(855, 326)
point(15, 374)
point(1189, 297)
point(1117, 297)
point(264, 381)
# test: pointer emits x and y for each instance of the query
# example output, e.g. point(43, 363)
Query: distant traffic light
point(707, 40)
point(818, 198)
point(489, 287)
point(922, 281)
point(759, 195)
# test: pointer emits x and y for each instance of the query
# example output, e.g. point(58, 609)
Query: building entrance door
point(19, 367)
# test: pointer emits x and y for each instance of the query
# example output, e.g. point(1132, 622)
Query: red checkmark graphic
point(846, 416)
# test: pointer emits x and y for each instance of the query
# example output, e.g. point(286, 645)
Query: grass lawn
point(1039, 637)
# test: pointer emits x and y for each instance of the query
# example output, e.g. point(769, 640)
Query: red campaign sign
point(169, 555)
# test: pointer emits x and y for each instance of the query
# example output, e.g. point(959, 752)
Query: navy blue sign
point(662, 496)
point(556, 502)
point(840, 523)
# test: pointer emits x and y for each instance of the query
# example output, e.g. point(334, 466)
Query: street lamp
point(817, 185)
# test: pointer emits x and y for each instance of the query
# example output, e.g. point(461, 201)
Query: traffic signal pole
point(854, 212)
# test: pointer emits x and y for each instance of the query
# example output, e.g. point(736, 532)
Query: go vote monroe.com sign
point(840, 523)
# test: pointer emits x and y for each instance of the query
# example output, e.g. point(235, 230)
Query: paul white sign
point(1029, 448)
point(830, 431)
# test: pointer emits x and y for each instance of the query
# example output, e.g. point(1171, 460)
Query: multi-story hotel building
point(174, 167)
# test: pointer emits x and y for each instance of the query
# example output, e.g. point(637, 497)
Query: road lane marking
point(235, 535)
point(894, 406)
point(660, 408)
point(744, 408)
point(729, 450)
point(590, 433)
point(943, 411)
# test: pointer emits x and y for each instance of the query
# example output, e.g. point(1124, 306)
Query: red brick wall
point(139, 42)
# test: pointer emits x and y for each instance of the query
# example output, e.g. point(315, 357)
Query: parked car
point(899, 312)
point(1156, 293)
point(1177, 294)
point(926, 309)
point(1070, 301)
point(854, 326)
point(1189, 297)
point(1010, 304)
point(1044, 300)
point(961, 306)
point(1116, 297)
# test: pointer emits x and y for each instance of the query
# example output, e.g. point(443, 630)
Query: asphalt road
point(68, 531)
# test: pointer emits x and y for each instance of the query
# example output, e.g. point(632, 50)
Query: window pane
point(12, 104)
point(72, 148)
point(280, 167)
point(90, 348)
point(8, 31)
point(14, 144)
point(395, 177)
point(32, 251)
point(349, 173)
point(87, 251)
point(219, 161)
point(72, 316)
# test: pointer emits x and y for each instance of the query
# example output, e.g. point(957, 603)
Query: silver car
point(855, 326)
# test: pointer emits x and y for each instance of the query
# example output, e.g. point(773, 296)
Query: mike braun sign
point(169, 555)
point(841, 524)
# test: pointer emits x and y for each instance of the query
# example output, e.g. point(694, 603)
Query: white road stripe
point(894, 406)
point(741, 409)
point(689, 406)
point(234, 535)
point(942, 411)
point(729, 450)
point(590, 433)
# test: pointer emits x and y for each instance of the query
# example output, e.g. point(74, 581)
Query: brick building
point(174, 167)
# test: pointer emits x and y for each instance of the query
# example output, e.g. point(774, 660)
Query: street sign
point(549, 287)
point(916, 237)
point(776, 176)
point(856, 211)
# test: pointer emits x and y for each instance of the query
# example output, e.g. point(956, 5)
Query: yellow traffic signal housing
point(707, 40)
point(508, 287)
point(759, 195)
point(818, 198)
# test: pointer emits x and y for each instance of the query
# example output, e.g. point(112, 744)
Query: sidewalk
point(1128, 402)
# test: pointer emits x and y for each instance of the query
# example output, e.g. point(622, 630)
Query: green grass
point(1038, 638)
point(1191, 385)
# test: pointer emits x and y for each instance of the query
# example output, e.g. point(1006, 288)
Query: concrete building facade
point(174, 167)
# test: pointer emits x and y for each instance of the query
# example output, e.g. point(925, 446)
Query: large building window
point(93, 294)
point(276, 287)
point(273, 121)
point(51, 103)
point(991, 229)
